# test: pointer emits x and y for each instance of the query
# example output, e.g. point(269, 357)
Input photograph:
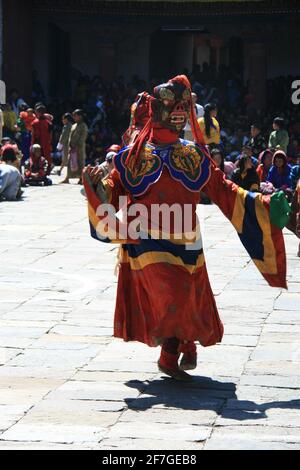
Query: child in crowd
point(264, 164)
point(35, 173)
point(10, 177)
point(257, 140)
point(279, 138)
point(280, 171)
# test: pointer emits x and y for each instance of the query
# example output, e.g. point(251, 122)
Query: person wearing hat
point(280, 172)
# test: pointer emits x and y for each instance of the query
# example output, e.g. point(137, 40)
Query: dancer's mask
point(171, 105)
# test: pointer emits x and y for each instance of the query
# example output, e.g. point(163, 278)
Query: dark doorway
point(59, 62)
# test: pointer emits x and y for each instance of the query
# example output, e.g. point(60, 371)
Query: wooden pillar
point(257, 70)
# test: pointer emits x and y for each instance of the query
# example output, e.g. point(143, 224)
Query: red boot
point(168, 364)
point(189, 358)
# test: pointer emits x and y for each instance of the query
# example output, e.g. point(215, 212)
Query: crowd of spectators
point(102, 114)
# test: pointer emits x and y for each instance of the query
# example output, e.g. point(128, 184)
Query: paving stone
point(194, 417)
point(239, 340)
point(69, 413)
point(25, 445)
point(59, 342)
point(54, 433)
point(280, 328)
point(34, 372)
point(95, 376)
point(170, 432)
point(147, 444)
point(290, 317)
point(280, 368)
point(82, 331)
point(248, 443)
point(271, 381)
point(288, 301)
point(122, 366)
point(245, 300)
point(7, 354)
point(277, 352)
point(83, 390)
point(224, 354)
point(254, 437)
point(253, 393)
point(10, 414)
point(261, 416)
point(60, 359)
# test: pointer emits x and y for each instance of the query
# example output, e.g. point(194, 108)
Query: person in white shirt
point(188, 135)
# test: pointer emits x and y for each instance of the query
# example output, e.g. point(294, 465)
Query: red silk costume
point(163, 286)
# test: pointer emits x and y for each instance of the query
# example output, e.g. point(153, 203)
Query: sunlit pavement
point(66, 383)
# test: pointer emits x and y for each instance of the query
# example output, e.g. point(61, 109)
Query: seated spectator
point(248, 152)
point(10, 177)
point(257, 141)
point(279, 138)
point(108, 165)
point(280, 171)
point(264, 164)
point(218, 158)
point(245, 175)
point(8, 143)
point(36, 170)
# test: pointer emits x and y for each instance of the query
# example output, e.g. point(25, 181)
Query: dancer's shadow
point(203, 393)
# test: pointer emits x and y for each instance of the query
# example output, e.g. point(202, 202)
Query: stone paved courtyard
point(66, 383)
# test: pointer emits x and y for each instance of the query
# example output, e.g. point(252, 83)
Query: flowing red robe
point(163, 287)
